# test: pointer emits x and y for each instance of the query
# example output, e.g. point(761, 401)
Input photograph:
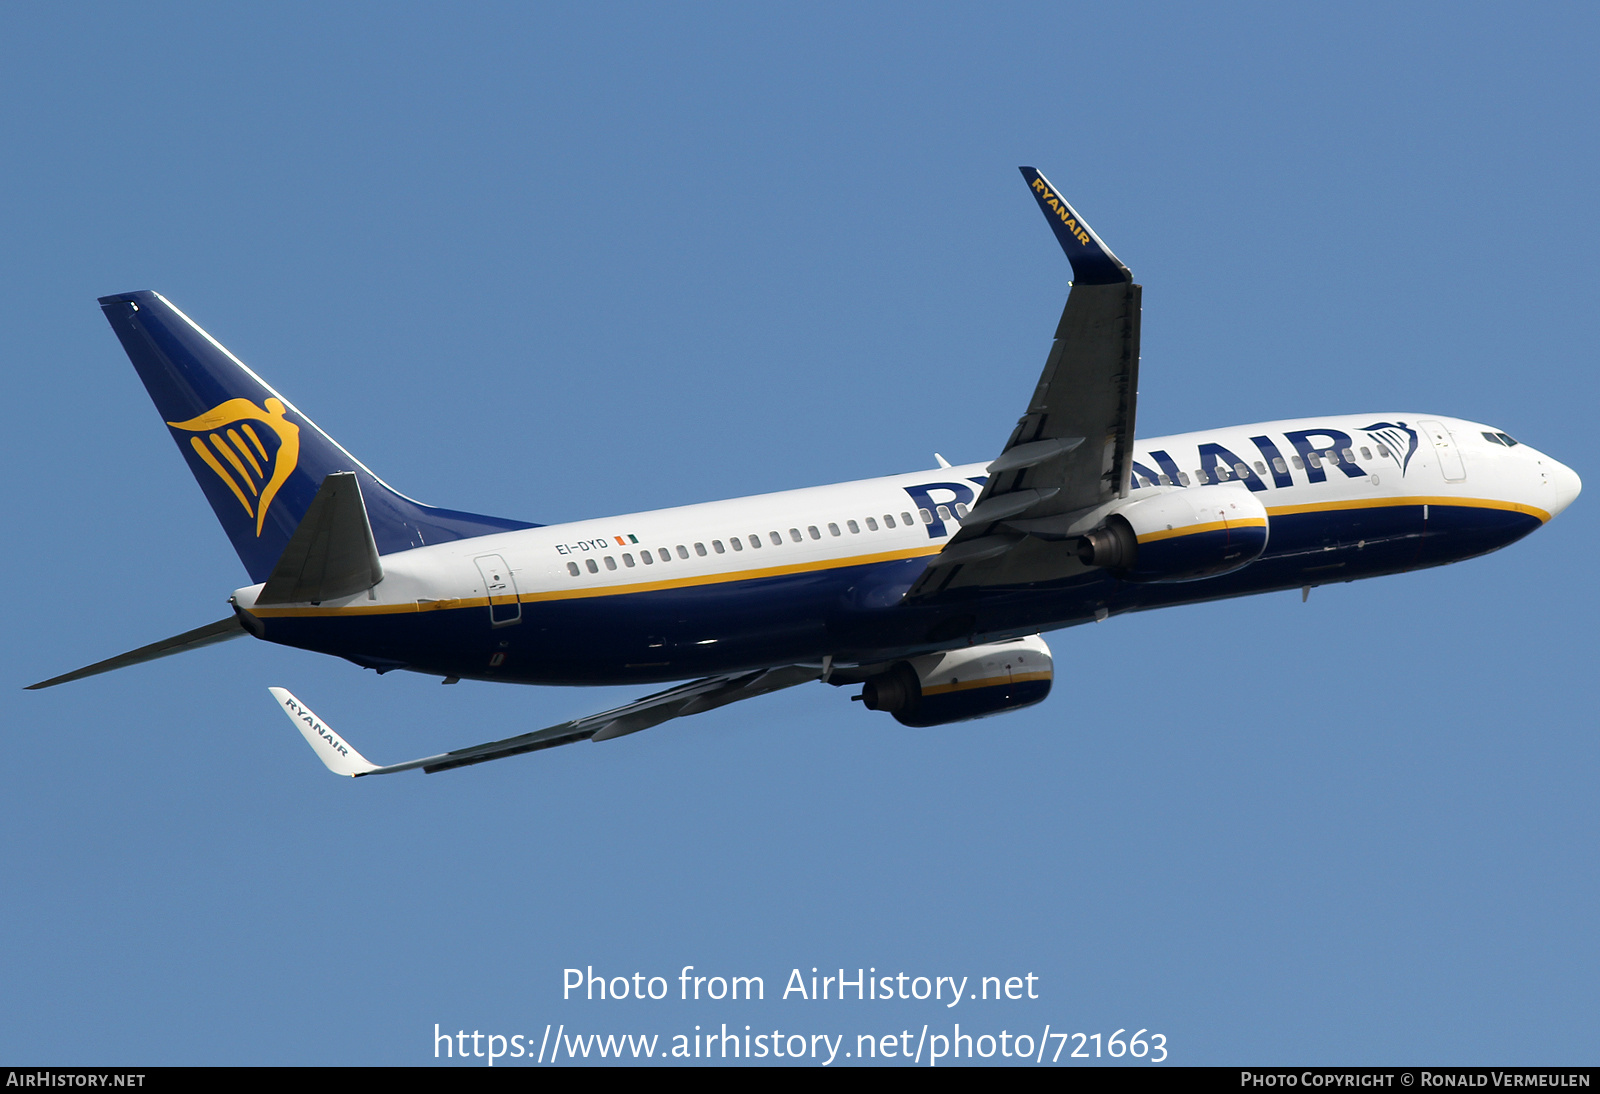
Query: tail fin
point(257, 458)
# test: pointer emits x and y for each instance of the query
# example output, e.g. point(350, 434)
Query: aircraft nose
point(1563, 485)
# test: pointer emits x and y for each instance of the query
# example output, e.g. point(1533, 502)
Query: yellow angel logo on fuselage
point(245, 464)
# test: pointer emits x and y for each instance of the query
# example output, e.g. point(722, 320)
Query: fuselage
point(803, 575)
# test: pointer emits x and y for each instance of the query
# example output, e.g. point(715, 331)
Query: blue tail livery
point(258, 459)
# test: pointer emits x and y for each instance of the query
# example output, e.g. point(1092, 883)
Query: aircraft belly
point(642, 637)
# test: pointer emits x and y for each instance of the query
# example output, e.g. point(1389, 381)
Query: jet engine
point(959, 685)
point(1180, 535)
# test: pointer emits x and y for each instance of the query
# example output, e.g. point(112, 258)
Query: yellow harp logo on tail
point(234, 447)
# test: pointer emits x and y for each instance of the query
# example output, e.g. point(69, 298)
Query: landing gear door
point(504, 606)
point(1444, 447)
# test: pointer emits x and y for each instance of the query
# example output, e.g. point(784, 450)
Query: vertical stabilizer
point(258, 459)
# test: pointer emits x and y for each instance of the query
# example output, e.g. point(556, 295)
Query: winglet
point(1092, 261)
point(339, 755)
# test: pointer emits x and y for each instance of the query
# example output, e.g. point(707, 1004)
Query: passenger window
point(1241, 470)
point(925, 516)
point(683, 552)
point(663, 554)
point(647, 558)
point(872, 524)
point(794, 534)
point(1314, 461)
point(755, 541)
point(1348, 455)
point(1278, 465)
point(1222, 472)
point(1366, 453)
point(593, 569)
point(906, 517)
point(627, 560)
point(1183, 477)
point(1261, 468)
point(611, 563)
point(888, 520)
point(1332, 457)
point(1299, 464)
point(736, 543)
point(833, 529)
point(716, 545)
point(1383, 453)
point(776, 538)
point(700, 549)
point(572, 568)
point(855, 528)
point(814, 533)
point(1200, 477)
point(962, 510)
point(944, 512)
point(1144, 481)
point(1166, 480)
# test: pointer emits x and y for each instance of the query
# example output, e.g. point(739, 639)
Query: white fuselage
point(913, 514)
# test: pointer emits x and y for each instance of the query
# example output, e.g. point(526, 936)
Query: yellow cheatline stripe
point(248, 432)
point(987, 682)
point(1401, 502)
point(245, 452)
point(1196, 529)
point(374, 609)
point(222, 473)
point(811, 567)
point(608, 590)
point(227, 454)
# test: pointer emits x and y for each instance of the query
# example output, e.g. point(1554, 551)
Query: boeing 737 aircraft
point(927, 590)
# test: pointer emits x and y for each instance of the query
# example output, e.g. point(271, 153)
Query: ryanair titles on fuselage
point(1313, 451)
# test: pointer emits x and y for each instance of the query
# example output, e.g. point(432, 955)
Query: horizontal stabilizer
point(210, 634)
point(332, 552)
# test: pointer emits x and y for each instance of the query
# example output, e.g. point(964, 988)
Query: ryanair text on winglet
point(322, 731)
point(1061, 210)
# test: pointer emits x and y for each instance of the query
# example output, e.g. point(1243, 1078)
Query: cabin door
point(504, 606)
point(1444, 447)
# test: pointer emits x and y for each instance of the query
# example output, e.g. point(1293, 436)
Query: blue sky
point(554, 264)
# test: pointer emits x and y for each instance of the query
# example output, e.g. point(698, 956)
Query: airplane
point(929, 590)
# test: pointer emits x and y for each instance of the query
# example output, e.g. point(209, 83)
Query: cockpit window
point(1493, 438)
point(1507, 441)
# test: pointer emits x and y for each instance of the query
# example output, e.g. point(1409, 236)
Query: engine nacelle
point(959, 685)
point(1180, 535)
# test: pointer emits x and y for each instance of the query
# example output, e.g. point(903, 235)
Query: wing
point(341, 757)
point(1073, 448)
